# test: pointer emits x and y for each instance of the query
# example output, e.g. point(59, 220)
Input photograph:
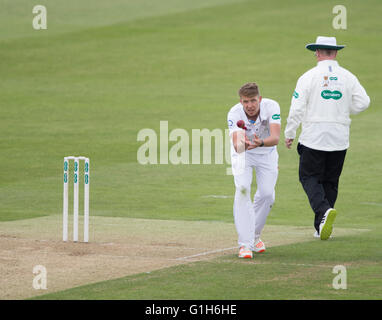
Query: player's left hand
point(249, 145)
point(256, 141)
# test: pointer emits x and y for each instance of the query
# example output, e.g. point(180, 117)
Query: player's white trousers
point(250, 217)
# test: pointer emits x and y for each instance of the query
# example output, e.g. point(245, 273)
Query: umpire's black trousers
point(319, 175)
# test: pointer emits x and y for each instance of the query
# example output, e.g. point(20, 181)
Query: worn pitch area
point(118, 247)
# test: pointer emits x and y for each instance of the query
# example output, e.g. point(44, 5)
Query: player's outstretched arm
point(241, 142)
point(272, 140)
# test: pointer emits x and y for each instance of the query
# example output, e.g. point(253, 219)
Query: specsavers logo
point(327, 94)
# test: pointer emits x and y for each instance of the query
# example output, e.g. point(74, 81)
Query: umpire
point(323, 100)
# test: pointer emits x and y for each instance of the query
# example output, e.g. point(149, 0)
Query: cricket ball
point(241, 124)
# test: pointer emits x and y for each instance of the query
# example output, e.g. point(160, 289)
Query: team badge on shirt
point(326, 81)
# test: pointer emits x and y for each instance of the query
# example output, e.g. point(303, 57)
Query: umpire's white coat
point(324, 98)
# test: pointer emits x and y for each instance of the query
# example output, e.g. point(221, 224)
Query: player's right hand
point(249, 145)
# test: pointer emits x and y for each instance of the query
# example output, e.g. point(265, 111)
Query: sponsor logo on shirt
point(276, 117)
point(327, 79)
point(295, 94)
point(327, 94)
point(230, 123)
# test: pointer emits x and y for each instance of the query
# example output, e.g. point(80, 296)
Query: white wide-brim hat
point(324, 43)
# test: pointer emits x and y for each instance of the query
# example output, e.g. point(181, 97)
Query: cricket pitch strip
point(117, 247)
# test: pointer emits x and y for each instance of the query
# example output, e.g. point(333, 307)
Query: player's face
point(251, 105)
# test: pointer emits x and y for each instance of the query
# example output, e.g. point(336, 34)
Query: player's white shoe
point(259, 246)
point(245, 253)
point(326, 226)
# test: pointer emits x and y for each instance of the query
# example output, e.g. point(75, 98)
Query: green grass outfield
point(101, 72)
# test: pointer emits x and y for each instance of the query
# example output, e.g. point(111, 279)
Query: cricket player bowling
point(254, 127)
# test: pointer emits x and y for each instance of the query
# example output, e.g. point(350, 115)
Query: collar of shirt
point(327, 62)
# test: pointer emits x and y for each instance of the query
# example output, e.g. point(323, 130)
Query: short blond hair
point(249, 90)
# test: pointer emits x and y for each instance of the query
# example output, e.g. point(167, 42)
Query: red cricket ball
point(241, 124)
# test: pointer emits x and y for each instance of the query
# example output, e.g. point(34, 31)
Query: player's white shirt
point(269, 113)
